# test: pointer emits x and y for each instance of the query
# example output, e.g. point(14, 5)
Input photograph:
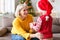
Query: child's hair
point(18, 8)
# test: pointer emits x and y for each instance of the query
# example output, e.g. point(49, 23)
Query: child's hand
point(39, 35)
point(31, 25)
point(32, 35)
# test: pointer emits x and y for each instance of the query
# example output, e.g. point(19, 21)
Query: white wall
point(7, 6)
point(56, 7)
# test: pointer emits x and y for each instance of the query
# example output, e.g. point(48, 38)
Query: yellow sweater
point(21, 27)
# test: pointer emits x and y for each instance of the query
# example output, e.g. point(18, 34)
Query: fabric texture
point(3, 30)
point(16, 37)
point(37, 25)
point(46, 27)
point(21, 27)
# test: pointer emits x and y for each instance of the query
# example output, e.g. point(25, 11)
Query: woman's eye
point(24, 10)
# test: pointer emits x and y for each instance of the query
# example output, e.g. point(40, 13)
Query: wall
point(56, 7)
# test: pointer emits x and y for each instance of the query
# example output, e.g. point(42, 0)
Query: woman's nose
point(26, 11)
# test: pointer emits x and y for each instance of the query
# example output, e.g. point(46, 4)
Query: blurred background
point(7, 10)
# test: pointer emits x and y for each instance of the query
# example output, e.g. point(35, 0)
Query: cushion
point(56, 21)
point(3, 30)
point(56, 28)
point(6, 21)
point(0, 21)
point(56, 36)
point(9, 29)
point(59, 21)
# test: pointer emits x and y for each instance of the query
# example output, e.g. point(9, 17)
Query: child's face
point(23, 12)
point(42, 12)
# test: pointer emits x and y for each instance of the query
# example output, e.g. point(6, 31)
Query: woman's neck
point(23, 18)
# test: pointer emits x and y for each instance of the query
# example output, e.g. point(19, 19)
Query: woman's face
point(23, 12)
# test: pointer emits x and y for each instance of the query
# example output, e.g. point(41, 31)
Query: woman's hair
point(18, 8)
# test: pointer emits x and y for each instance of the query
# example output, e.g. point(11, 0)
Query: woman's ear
point(19, 13)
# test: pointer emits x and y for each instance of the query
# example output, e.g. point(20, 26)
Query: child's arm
point(36, 25)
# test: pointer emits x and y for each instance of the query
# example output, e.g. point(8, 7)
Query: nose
point(26, 11)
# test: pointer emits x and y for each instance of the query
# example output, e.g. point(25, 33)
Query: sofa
point(56, 28)
point(5, 32)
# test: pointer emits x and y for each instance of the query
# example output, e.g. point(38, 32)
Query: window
point(7, 6)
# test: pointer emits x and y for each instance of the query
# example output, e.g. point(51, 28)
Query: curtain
point(7, 6)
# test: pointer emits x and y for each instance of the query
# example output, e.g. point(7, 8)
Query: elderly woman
point(21, 29)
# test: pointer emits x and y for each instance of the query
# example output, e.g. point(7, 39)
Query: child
point(44, 22)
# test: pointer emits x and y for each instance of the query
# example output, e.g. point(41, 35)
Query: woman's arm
point(19, 30)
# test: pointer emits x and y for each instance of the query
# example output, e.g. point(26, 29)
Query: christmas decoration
point(31, 10)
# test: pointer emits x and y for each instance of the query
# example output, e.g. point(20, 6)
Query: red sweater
point(46, 27)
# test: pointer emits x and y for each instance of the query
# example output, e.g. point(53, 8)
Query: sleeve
point(38, 24)
point(19, 30)
point(39, 21)
point(31, 20)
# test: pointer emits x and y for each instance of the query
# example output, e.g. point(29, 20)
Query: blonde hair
point(19, 7)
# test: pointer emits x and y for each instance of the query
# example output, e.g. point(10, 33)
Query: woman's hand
point(33, 26)
point(39, 35)
point(32, 36)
